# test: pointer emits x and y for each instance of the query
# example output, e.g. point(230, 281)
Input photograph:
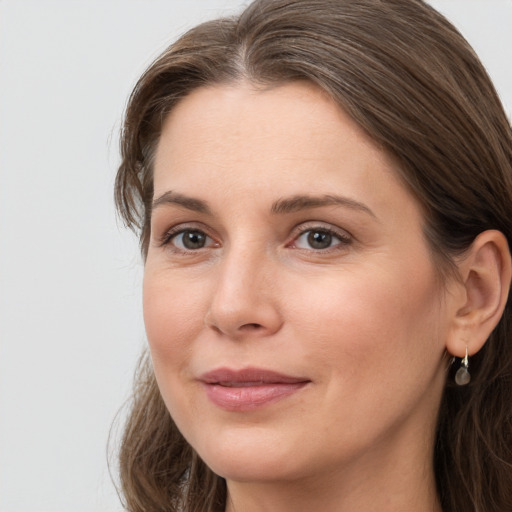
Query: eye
point(320, 239)
point(189, 240)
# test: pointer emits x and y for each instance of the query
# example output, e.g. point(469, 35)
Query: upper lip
point(256, 376)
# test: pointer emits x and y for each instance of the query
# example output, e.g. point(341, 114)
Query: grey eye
point(316, 239)
point(319, 239)
point(190, 240)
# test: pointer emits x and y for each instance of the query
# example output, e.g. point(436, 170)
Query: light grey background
point(70, 311)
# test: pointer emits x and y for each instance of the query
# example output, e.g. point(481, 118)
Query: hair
point(414, 84)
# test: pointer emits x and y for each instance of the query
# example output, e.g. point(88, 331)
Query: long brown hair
point(413, 83)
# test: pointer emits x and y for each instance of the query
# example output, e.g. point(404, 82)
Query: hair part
point(412, 82)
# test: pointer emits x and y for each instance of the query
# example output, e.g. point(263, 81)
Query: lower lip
point(249, 398)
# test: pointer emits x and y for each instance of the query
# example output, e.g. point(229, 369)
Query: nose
point(245, 297)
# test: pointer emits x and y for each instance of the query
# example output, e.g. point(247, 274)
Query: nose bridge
point(243, 300)
point(239, 271)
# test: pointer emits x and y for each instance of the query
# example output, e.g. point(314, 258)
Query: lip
point(249, 388)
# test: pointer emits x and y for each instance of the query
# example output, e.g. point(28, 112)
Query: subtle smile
point(250, 388)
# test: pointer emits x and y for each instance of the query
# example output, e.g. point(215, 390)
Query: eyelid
point(169, 234)
point(341, 234)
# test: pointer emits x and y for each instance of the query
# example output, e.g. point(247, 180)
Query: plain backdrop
point(70, 310)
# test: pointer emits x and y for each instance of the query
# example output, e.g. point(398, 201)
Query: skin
point(365, 319)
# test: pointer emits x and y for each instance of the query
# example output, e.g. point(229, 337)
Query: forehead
point(227, 125)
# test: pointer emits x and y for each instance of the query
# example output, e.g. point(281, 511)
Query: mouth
point(250, 388)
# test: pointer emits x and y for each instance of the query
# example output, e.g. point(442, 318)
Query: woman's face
point(295, 319)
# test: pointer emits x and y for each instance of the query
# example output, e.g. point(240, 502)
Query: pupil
point(319, 239)
point(193, 240)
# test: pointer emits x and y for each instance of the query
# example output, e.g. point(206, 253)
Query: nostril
point(250, 327)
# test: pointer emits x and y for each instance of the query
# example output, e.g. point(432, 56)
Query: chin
point(250, 458)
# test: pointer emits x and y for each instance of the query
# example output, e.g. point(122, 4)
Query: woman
point(323, 191)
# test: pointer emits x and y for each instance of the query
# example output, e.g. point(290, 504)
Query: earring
point(462, 377)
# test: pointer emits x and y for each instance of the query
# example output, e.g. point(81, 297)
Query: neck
point(397, 481)
point(348, 496)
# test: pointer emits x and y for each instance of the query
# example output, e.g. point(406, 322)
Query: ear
point(485, 271)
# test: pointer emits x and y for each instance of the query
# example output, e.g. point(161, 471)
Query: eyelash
point(173, 233)
point(343, 238)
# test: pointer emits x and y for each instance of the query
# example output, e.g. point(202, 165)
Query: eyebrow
point(190, 203)
point(303, 202)
point(281, 206)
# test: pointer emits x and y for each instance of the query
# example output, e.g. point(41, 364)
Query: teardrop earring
point(462, 377)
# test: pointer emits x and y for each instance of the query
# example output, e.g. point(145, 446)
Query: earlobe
point(485, 271)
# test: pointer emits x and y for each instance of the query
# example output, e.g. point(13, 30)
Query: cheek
point(172, 319)
point(365, 323)
point(375, 345)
